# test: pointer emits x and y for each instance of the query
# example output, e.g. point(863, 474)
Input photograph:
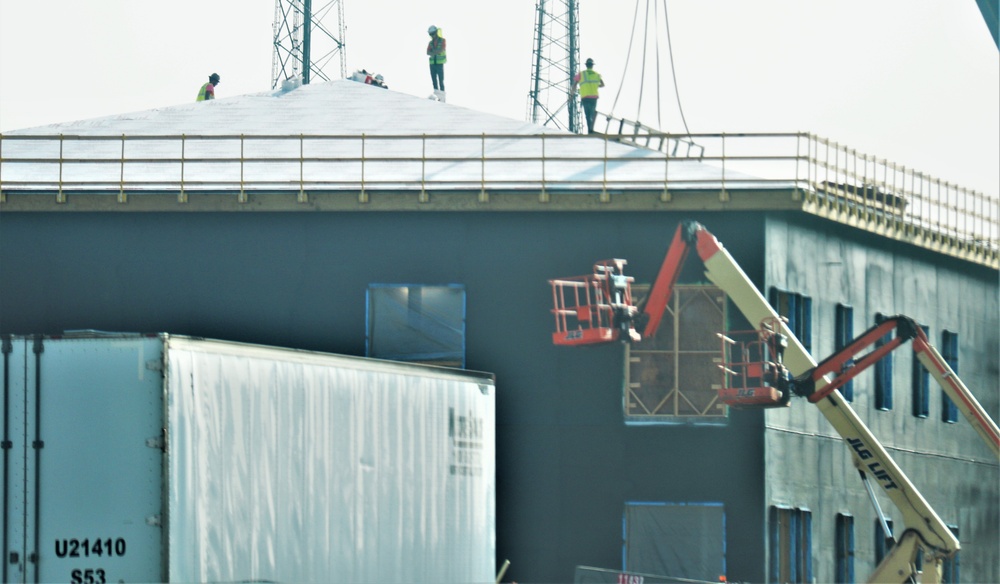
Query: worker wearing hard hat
point(207, 91)
point(438, 57)
point(588, 81)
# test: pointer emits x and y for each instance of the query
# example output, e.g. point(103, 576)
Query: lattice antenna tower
point(556, 60)
point(308, 32)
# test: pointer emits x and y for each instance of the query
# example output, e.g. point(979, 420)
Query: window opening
point(674, 376)
point(884, 541)
point(675, 540)
point(949, 351)
point(844, 336)
point(921, 386)
point(797, 308)
point(417, 323)
point(845, 549)
point(949, 568)
point(883, 371)
point(791, 545)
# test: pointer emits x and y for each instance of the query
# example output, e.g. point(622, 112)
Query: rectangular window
point(417, 323)
point(883, 540)
point(883, 371)
point(845, 549)
point(675, 540)
point(673, 377)
point(949, 568)
point(797, 308)
point(791, 545)
point(921, 386)
point(845, 334)
point(949, 351)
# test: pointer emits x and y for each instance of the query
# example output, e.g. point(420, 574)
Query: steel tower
point(305, 34)
point(556, 61)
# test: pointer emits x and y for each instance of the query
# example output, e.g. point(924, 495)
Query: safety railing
point(828, 178)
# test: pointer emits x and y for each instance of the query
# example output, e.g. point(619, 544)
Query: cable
point(673, 71)
point(656, 35)
point(642, 76)
point(628, 56)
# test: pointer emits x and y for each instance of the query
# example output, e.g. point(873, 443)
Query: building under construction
point(407, 229)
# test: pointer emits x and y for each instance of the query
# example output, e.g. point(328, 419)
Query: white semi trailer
point(144, 458)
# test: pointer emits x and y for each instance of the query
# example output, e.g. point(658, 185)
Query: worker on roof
point(207, 91)
point(588, 81)
point(438, 57)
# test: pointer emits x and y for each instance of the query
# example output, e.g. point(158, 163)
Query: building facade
point(408, 249)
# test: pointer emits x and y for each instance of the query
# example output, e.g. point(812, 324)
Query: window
point(423, 324)
point(674, 376)
point(845, 549)
point(921, 386)
point(791, 545)
point(845, 334)
point(949, 351)
point(675, 540)
point(798, 310)
point(883, 540)
point(949, 568)
point(883, 371)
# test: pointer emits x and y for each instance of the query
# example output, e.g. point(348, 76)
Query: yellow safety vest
point(436, 42)
point(590, 80)
point(201, 93)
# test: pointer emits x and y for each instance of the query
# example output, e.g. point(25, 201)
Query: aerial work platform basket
point(752, 370)
point(596, 308)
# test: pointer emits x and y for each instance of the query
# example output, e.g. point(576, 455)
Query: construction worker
point(588, 81)
point(438, 57)
point(207, 91)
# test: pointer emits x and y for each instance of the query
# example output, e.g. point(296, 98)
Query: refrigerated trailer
point(141, 458)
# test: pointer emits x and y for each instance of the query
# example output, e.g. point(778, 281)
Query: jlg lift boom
point(771, 366)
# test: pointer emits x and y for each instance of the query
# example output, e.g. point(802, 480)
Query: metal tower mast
point(303, 35)
point(556, 61)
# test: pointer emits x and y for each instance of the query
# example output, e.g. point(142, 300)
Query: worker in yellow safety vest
point(588, 81)
point(438, 57)
point(207, 91)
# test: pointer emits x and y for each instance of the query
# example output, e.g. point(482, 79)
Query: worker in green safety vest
point(588, 81)
point(437, 55)
point(207, 90)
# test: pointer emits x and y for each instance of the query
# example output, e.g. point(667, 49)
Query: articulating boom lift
point(766, 369)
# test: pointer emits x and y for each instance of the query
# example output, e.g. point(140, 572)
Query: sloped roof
point(340, 135)
point(336, 107)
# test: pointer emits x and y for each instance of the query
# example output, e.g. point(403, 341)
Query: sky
point(916, 82)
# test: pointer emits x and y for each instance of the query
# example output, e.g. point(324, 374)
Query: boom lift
point(767, 366)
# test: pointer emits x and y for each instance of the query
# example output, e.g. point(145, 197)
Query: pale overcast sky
point(913, 81)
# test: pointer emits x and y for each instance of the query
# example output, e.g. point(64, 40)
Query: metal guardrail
point(832, 180)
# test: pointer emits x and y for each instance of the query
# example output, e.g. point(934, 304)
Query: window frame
point(416, 320)
point(950, 571)
point(883, 542)
point(844, 549)
point(883, 371)
point(797, 308)
point(949, 352)
point(790, 537)
point(921, 385)
point(843, 335)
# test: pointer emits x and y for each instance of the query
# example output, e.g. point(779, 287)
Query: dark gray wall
point(566, 462)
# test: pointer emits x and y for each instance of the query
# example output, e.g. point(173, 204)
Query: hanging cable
point(673, 70)
point(642, 75)
point(628, 56)
point(656, 36)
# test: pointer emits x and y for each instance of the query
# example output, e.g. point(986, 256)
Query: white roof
point(340, 135)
